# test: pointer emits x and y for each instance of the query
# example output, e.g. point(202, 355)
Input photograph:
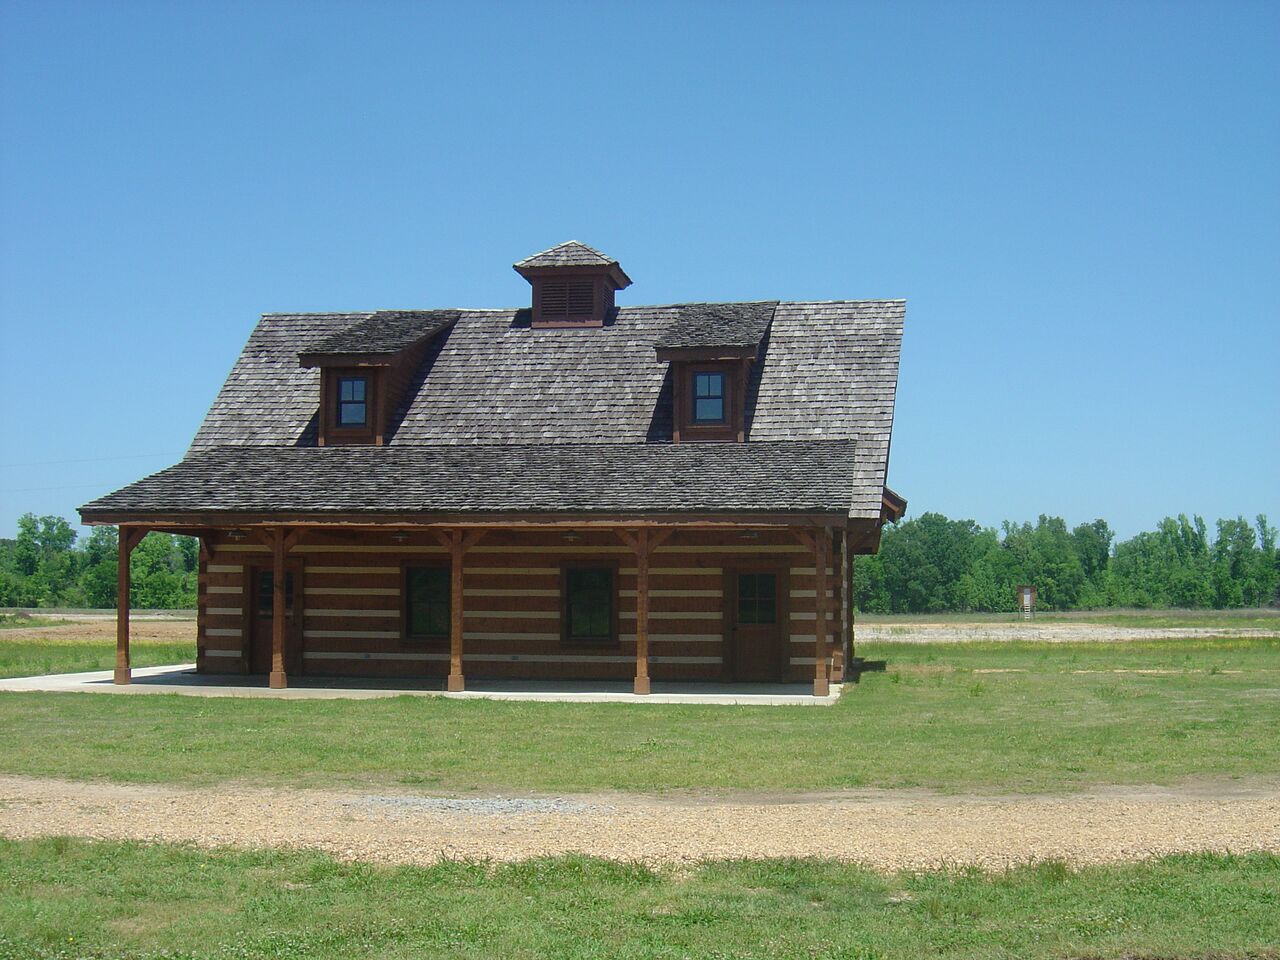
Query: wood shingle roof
point(506, 479)
point(554, 403)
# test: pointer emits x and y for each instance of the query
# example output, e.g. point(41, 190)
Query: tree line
point(45, 566)
point(927, 564)
point(932, 564)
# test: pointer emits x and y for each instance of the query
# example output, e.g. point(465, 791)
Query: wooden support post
point(641, 685)
point(840, 588)
point(851, 584)
point(821, 557)
point(128, 538)
point(458, 543)
point(643, 541)
point(281, 540)
point(277, 680)
point(457, 682)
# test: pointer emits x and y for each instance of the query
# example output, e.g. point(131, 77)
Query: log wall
point(352, 613)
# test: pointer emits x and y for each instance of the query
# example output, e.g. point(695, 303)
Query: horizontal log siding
point(220, 603)
point(352, 605)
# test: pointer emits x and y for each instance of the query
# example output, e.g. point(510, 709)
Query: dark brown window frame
point(366, 401)
point(441, 639)
point(723, 397)
point(333, 433)
point(688, 430)
point(591, 563)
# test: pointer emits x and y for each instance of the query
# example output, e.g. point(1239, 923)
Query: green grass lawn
point(18, 621)
point(29, 657)
point(978, 717)
point(76, 899)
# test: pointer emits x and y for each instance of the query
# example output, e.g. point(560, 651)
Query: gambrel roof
point(569, 420)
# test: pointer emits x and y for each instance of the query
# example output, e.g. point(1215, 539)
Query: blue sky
point(1079, 201)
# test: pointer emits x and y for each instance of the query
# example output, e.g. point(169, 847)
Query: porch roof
point(805, 477)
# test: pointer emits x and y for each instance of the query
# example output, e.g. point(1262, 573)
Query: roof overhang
point(348, 359)
point(892, 506)
point(613, 271)
point(198, 521)
point(764, 483)
point(706, 354)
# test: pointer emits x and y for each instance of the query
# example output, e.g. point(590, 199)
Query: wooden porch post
point(127, 539)
point(821, 557)
point(643, 542)
point(458, 543)
point(277, 680)
point(840, 589)
point(641, 685)
point(281, 542)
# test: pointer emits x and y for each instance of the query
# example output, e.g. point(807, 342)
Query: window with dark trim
point(427, 607)
point(589, 599)
point(267, 589)
point(757, 598)
point(353, 407)
point(708, 396)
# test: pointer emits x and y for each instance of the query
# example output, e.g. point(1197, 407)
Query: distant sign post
point(1027, 601)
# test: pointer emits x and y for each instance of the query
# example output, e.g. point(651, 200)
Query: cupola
point(573, 285)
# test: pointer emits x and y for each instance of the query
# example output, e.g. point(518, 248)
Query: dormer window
point(353, 407)
point(573, 285)
point(708, 397)
point(365, 370)
point(710, 347)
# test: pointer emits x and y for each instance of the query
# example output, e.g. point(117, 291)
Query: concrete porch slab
point(182, 679)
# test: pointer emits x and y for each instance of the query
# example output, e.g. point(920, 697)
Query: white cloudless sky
point(1080, 202)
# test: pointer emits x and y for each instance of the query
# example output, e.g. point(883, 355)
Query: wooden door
point(261, 602)
point(756, 612)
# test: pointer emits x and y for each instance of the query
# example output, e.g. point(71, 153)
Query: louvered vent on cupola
point(573, 285)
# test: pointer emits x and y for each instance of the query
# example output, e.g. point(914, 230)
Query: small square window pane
point(352, 413)
point(709, 385)
point(352, 388)
point(708, 410)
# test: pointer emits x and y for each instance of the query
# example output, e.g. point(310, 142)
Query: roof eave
point(216, 519)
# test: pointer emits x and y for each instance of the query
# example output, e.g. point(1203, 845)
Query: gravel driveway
point(1056, 631)
point(884, 829)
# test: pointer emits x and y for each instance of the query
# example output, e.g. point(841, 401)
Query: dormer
point(366, 369)
point(710, 349)
point(573, 285)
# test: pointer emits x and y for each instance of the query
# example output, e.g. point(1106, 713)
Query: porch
point(505, 602)
point(183, 679)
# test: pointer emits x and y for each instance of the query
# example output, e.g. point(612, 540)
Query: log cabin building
point(569, 490)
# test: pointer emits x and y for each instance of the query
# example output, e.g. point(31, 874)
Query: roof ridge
point(577, 245)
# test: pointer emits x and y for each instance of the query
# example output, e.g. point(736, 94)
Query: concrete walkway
point(182, 679)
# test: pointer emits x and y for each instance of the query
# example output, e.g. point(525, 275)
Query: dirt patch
point(1042, 632)
point(885, 829)
point(104, 631)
